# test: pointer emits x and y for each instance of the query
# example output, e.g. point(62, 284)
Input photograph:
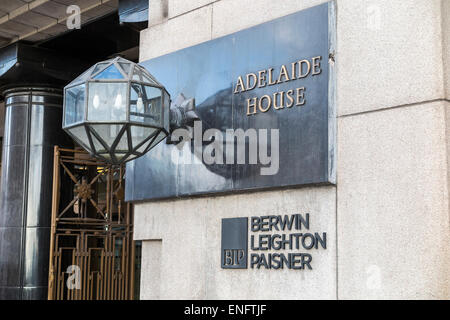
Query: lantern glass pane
point(161, 136)
point(125, 67)
point(107, 132)
point(98, 145)
point(137, 74)
point(74, 102)
point(131, 156)
point(119, 156)
point(142, 148)
point(107, 101)
point(148, 79)
point(84, 76)
point(145, 104)
point(81, 136)
point(139, 134)
point(166, 111)
point(122, 146)
point(110, 73)
point(100, 66)
point(107, 156)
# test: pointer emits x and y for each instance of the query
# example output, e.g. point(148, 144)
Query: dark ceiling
point(57, 60)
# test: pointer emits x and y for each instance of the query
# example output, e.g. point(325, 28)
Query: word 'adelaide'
point(278, 100)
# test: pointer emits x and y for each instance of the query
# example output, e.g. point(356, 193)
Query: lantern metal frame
point(137, 77)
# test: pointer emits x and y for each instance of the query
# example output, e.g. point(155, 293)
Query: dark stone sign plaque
point(273, 83)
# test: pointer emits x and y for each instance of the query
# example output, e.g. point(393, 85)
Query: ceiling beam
point(57, 21)
point(21, 10)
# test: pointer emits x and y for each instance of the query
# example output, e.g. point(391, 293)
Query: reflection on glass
point(158, 139)
point(145, 104)
point(80, 133)
point(139, 134)
point(144, 146)
point(97, 144)
point(99, 67)
point(107, 156)
point(122, 146)
point(125, 67)
point(107, 132)
point(84, 76)
point(74, 100)
point(166, 111)
point(110, 73)
point(119, 155)
point(137, 74)
point(107, 102)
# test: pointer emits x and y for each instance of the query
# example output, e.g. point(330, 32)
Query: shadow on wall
point(2, 118)
point(2, 129)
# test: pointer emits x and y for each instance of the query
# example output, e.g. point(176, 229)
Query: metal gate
point(91, 249)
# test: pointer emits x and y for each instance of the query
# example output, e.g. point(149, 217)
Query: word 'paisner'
point(296, 261)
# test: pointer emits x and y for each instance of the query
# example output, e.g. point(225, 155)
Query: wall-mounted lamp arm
point(182, 113)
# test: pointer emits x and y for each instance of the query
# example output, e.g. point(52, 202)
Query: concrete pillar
point(32, 127)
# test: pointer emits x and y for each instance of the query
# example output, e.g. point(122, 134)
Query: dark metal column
point(32, 128)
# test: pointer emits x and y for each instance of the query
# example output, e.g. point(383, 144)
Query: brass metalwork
point(93, 232)
point(84, 191)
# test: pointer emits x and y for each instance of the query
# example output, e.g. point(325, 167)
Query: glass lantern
point(116, 110)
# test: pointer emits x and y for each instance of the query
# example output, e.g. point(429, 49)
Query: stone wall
point(189, 253)
point(388, 215)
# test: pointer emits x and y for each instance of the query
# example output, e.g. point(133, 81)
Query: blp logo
point(234, 257)
point(234, 243)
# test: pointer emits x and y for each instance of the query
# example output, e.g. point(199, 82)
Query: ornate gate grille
point(91, 248)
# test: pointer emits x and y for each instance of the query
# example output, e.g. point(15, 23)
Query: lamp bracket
point(182, 114)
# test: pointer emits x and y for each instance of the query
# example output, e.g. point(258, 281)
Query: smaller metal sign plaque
point(276, 242)
point(234, 243)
